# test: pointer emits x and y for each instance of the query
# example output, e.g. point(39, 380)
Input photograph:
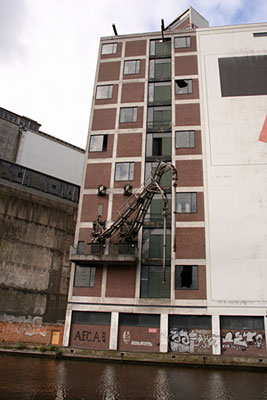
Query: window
point(166, 179)
point(160, 69)
point(153, 243)
point(159, 92)
point(158, 144)
point(131, 67)
point(186, 203)
point(146, 320)
point(84, 276)
point(186, 277)
point(160, 47)
point(110, 48)
point(128, 114)
point(181, 42)
point(242, 322)
point(91, 318)
point(151, 282)
point(190, 321)
point(98, 143)
point(155, 210)
point(124, 171)
point(183, 86)
point(184, 139)
point(104, 92)
point(159, 117)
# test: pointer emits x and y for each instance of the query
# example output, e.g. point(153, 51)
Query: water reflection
point(43, 379)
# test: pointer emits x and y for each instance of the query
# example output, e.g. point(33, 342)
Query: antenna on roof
point(162, 28)
point(115, 30)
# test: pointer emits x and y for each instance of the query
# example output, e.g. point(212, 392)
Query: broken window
point(160, 68)
point(183, 86)
point(98, 143)
point(186, 277)
point(124, 171)
point(184, 139)
point(131, 67)
point(110, 48)
point(159, 144)
point(128, 114)
point(104, 92)
point(159, 92)
point(84, 276)
point(181, 42)
point(186, 202)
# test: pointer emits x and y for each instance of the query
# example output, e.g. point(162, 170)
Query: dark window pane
point(186, 277)
point(91, 318)
point(190, 321)
point(242, 322)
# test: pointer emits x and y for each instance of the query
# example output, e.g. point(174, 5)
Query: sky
point(49, 48)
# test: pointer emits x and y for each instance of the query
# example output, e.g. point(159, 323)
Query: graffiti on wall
point(191, 341)
point(238, 340)
point(126, 337)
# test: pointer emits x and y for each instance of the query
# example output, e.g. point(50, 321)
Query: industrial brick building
point(40, 179)
point(192, 281)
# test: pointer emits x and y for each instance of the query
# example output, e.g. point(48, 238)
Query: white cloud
point(49, 49)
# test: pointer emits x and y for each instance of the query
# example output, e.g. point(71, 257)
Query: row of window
point(158, 144)
point(157, 91)
point(186, 277)
point(157, 46)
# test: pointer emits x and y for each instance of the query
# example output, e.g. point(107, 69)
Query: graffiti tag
point(190, 341)
point(89, 336)
point(242, 340)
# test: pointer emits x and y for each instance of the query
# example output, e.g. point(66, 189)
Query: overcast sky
point(48, 50)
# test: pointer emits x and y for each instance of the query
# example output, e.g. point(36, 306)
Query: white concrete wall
point(50, 157)
point(235, 173)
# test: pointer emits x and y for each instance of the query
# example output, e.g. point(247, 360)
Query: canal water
point(45, 379)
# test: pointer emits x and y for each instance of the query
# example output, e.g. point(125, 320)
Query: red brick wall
point(187, 114)
point(90, 336)
point(186, 65)
point(104, 119)
point(133, 338)
point(189, 173)
point(129, 145)
point(199, 293)
point(192, 150)
point(132, 92)
point(135, 48)
point(243, 342)
point(121, 281)
point(190, 243)
point(29, 333)
point(88, 291)
point(90, 207)
point(109, 71)
point(97, 174)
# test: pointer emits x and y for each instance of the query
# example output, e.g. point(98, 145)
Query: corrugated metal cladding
point(243, 76)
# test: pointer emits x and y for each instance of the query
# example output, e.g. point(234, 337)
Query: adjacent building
point(40, 179)
point(195, 98)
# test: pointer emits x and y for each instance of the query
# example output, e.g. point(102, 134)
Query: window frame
point(137, 67)
point(190, 139)
point(134, 112)
point(192, 202)
point(178, 280)
point(103, 95)
point(130, 173)
point(188, 89)
point(91, 276)
point(187, 42)
point(113, 46)
point(103, 144)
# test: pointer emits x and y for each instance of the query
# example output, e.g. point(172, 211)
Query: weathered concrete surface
point(35, 235)
point(144, 358)
point(9, 139)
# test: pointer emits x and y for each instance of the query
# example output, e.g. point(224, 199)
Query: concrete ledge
point(171, 359)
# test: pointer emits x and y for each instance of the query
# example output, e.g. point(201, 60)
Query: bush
point(42, 349)
point(21, 346)
point(53, 348)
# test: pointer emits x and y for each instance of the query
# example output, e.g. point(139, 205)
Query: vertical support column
point(66, 336)
point(163, 333)
point(265, 328)
point(114, 329)
point(216, 335)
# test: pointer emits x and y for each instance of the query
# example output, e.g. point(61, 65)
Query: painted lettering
point(88, 336)
point(241, 341)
